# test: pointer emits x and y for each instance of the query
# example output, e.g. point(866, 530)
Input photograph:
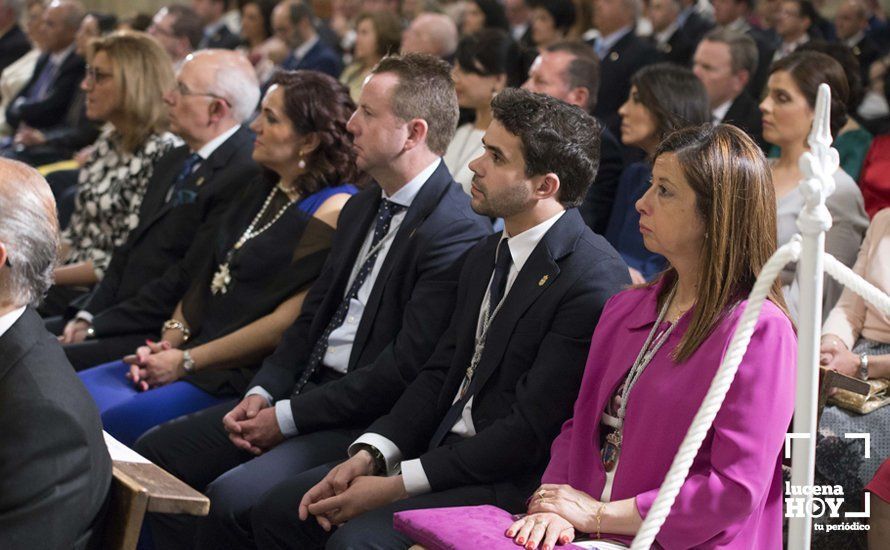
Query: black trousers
point(275, 522)
point(197, 450)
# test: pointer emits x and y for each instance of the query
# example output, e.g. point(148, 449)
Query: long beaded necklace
point(612, 447)
point(223, 276)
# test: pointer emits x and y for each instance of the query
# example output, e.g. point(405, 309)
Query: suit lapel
point(20, 338)
point(424, 203)
point(156, 194)
point(539, 272)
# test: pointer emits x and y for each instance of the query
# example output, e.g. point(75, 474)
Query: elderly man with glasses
point(216, 91)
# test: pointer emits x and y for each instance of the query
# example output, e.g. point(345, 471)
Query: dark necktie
point(387, 210)
point(179, 194)
point(502, 263)
point(38, 90)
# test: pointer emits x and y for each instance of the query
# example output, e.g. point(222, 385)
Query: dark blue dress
point(623, 231)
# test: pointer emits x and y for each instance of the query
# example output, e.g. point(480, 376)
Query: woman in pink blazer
point(710, 211)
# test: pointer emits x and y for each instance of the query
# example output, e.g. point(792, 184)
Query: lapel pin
point(413, 231)
point(613, 56)
point(543, 280)
point(200, 182)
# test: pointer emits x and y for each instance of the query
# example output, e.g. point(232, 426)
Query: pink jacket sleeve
point(745, 442)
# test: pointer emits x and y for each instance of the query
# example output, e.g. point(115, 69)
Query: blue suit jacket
point(319, 58)
point(407, 312)
point(530, 371)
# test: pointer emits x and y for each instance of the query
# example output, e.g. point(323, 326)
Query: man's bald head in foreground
point(29, 235)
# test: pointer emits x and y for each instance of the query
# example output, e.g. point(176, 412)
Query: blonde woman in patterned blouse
point(125, 82)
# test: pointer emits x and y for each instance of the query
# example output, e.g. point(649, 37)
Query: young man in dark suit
point(621, 52)
point(54, 467)
point(45, 99)
point(294, 23)
point(191, 188)
point(368, 324)
point(475, 427)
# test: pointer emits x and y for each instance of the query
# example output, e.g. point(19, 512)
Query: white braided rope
point(847, 277)
point(676, 476)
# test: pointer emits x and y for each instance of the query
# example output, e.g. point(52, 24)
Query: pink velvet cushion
point(460, 527)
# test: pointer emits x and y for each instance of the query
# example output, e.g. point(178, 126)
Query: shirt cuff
point(261, 391)
point(84, 315)
point(387, 448)
point(414, 478)
point(285, 416)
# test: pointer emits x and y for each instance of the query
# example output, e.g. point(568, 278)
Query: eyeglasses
point(95, 76)
point(183, 90)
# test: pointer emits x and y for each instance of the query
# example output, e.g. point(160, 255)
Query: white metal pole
point(818, 167)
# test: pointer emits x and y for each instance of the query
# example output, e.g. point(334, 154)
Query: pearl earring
point(301, 164)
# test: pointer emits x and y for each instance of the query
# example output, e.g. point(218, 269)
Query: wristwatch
point(188, 364)
point(863, 366)
point(379, 464)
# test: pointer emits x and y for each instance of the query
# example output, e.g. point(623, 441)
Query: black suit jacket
point(47, 112)
point(694, 29)
point(626, 57)
point(320, 57)
point(766, 48)
point(222, 38)
point(54, 467)
point(745, 113)
point(528, 378)
point(866, 52)
point(408, 309)
point(597, 205)
point(125, 302)
point(13, 45)
point(678, 49)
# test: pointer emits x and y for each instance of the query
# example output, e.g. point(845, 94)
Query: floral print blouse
point(111, 186)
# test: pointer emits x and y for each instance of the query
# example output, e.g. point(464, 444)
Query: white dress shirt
point(341, 339)
point(9, 319)
point(415, 479)
point(719, 112)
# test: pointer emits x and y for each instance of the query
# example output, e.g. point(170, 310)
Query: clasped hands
point(155, 364)
point(252, 425)
point(834, 355)
point(350, 490)
point(555, 513)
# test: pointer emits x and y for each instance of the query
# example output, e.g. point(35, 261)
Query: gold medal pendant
point(221, 279)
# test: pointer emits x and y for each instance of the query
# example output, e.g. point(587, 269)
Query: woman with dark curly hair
point(251, 284)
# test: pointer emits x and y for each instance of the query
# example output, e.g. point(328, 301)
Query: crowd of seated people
point(330, 262)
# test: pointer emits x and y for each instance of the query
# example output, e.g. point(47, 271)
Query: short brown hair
point(583, 71)
point(742, 49)
point(425, 91)
point(143, 73)
point(736, 201)
point(556, 137)
point(387, 27)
